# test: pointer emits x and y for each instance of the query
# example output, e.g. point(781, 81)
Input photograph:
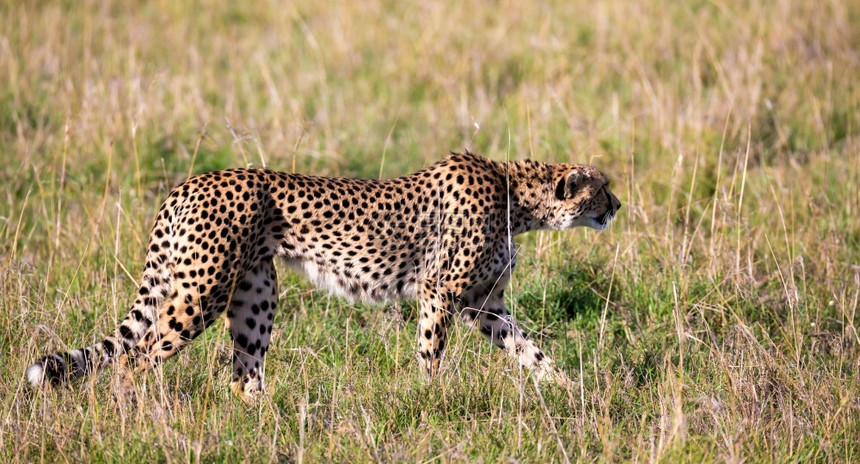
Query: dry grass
point(716, 320)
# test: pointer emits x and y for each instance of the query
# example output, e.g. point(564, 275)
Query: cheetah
point(443, 236)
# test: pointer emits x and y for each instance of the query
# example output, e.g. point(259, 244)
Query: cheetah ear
point(568, 184)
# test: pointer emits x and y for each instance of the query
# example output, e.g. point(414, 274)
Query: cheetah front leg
point(498, 326)
point(252, 309)
point(436, 306)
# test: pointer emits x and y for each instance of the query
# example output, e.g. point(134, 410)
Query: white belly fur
point(330, 281)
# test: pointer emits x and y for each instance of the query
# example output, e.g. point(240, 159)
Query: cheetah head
point(581, 198)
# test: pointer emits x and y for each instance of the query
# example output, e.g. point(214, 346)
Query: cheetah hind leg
point(250, 315)
point(180, 320)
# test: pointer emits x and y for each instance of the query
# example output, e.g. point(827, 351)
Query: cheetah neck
point(529, 191)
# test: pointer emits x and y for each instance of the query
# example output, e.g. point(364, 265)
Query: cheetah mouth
point(604, 219)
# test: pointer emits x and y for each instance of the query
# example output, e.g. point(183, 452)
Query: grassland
point(715, 321)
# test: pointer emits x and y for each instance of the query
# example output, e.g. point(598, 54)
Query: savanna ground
point(715, 320)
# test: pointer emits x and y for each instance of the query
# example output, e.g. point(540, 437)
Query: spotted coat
point(443, 235)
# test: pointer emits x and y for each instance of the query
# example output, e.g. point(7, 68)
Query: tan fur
point(442, 235)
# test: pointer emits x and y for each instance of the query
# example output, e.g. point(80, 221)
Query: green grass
point(716, 320)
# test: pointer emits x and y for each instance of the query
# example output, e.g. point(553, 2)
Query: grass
point(715, 321)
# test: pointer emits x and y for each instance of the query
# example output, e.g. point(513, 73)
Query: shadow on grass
point(577, 292)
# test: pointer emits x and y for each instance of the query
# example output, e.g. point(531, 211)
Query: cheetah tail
point(157, 283)
point(61, 367)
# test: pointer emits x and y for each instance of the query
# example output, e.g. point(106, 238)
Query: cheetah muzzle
point(442, 235)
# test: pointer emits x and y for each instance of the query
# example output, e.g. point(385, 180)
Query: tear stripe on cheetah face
point(442, 235)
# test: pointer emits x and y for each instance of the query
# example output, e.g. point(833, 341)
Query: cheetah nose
point(613, 201)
